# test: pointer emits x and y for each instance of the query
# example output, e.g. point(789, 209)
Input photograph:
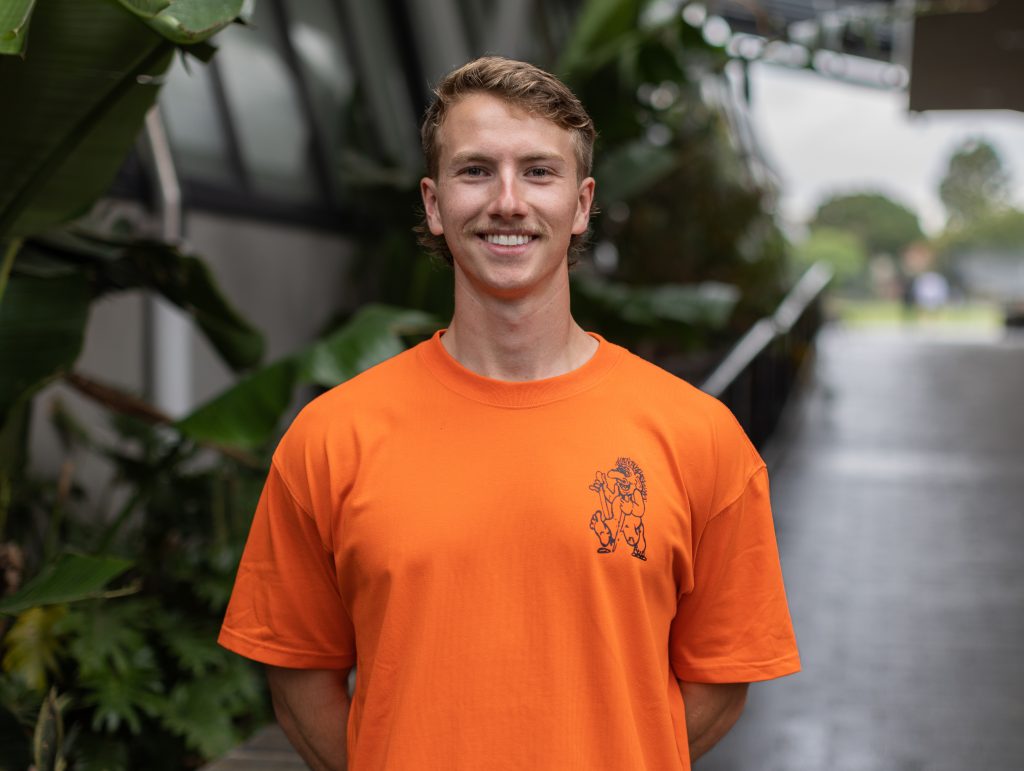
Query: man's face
point(506, 197)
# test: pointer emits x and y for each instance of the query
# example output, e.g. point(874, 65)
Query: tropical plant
point(110, 601)
point(680, 206)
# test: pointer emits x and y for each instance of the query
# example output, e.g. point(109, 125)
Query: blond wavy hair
point(524, 86)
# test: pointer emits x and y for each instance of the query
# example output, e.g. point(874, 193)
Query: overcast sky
point(824, 136)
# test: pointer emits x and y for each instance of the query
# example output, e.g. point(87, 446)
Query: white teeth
point(501, 239)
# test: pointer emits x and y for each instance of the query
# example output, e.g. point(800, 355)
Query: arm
point(711, 710)
point(312, 708)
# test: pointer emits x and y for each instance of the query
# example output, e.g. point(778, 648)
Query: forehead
point(483, 122)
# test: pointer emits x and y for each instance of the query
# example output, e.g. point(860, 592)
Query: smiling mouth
point(507, 239)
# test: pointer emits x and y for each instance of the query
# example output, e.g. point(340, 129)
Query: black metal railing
point(757, 376)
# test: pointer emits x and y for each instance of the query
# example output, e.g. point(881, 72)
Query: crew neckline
point(517, 394)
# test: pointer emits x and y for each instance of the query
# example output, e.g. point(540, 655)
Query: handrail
point(805, 292)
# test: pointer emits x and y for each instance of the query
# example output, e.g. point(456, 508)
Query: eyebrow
point(473, 157)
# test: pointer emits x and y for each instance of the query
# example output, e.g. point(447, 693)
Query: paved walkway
point(899, 497)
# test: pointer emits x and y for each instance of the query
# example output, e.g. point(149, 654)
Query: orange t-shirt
point(520, 571)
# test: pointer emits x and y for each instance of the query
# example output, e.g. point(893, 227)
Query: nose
point(508, 201)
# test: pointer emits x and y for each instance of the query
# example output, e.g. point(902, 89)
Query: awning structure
point(958, 54)
point(969, 61)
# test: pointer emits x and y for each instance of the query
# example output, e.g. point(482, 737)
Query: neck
point(529, 338)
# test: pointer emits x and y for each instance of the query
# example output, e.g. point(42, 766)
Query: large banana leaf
point(42, 321)
point(45, 306)
point(186, 21)
point(70, 578)
point(116, 264)
point(14, 16)
point(370, 337)
point(72, 109)
point(247, 415)
point(147, 9)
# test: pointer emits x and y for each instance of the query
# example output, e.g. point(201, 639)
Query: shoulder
point(675, 397)
point(712, 450)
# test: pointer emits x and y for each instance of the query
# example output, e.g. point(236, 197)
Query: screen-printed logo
point(622, 493)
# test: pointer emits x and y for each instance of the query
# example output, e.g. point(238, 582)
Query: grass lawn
point(886, 313)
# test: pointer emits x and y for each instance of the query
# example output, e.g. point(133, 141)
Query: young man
point(540, 551)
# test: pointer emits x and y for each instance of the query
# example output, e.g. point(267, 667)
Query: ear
point(428, 191)
point(583, 203)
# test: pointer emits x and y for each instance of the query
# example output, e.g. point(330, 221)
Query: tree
point(999, 232)
point(976, 183)
point(841, 250)
point(883, 225)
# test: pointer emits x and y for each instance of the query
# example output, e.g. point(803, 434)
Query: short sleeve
point(286, 608)
point(734, 626)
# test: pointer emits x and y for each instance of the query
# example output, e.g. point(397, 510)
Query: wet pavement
point(898, 486)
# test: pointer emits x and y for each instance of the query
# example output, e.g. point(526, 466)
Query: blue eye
point(539, 172)
point(473, 171)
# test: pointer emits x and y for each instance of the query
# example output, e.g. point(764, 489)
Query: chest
point(481, 503)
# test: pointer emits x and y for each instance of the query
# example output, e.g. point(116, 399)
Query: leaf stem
point(13, 247)
point(128, 404)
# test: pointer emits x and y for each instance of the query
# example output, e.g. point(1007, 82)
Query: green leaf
point(373, 335)
point(32, 644)
point(203, 709)
point(42, 322)
point(118, 264)
point(105, 635)
point(48, 739)
point(70, 578)
point(14, 18)
point(247, 414)
point(195, 710)
point(599, 24)
point(72, 109)
point(125, 696)
point(632, 169)
point(195, 648)
point(147, 9)
point(98, 752)
point(708, 304)
point(192, 21)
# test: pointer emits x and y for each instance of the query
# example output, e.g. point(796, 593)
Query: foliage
point(56, 278)
point(996, 232)
point(78, 100)
point(839, 249)
point(70, 578)
point(142, 673)
point(976, 183)
point(110, 660)
point(246, 415)
point(679, 204)
point(883, 225)
point(14, 17)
